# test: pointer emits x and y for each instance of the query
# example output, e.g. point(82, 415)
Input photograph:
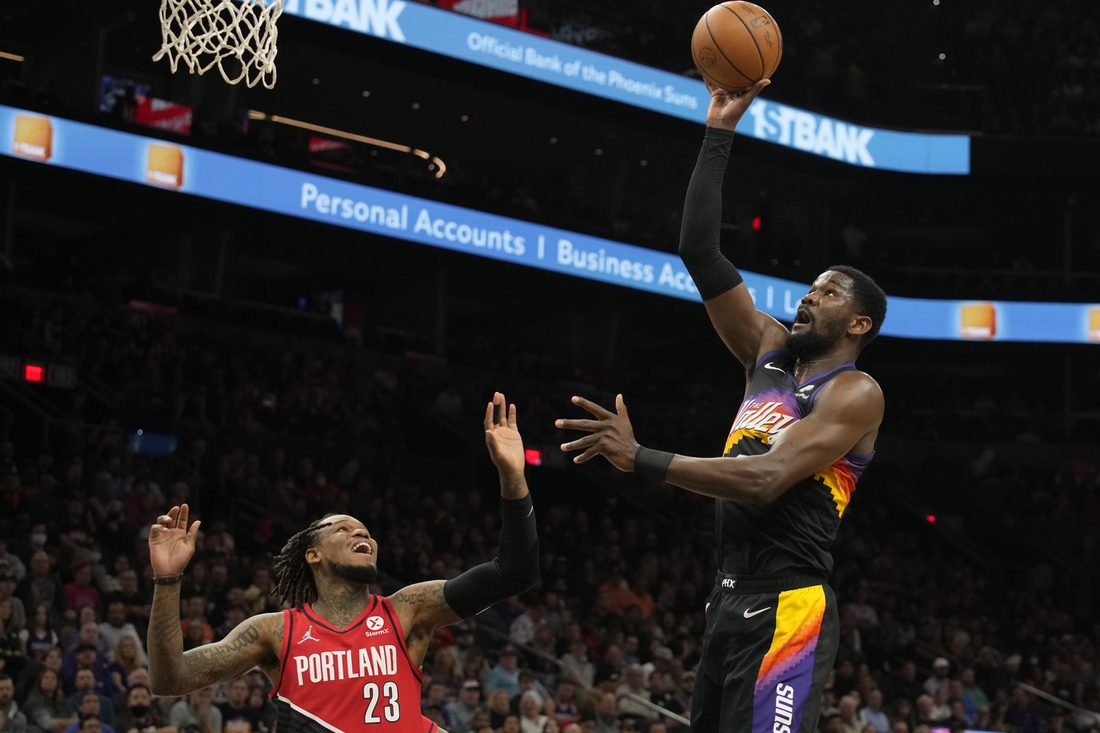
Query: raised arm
point(424, 607)
point(746, 331)
point(255, 642)
point(847, 412)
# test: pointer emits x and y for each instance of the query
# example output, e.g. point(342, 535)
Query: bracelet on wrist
point(168, 580)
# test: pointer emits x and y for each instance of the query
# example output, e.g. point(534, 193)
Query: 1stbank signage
point(506, 49)
point(122, 156)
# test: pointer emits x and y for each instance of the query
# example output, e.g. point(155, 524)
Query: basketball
point(736, 44)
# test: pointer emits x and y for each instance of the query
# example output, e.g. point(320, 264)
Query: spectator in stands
point(527, 681)
point(91, 724)
point(532, 719)
point(127, 657)
point(197, 709)
point(41, 587)
point(633, 687)
point(12, 720)
point(139, 715)
point(10, 564)
point(850, 720)
point(85, 684)
point(576, 666)
point(522, 629)
point(81, 592)
point(940, 679)
point(237, 715)
point(607, 714)
point(446, 670)
point(505, 675)
point(659, 695)
point(89, 706)
point(39, 634)
point(564, 707)
point(8, 585)
point(458, 714)
point(45, 706)
point(499, 708)
point(85, 656)
point(115, 626)
point(873, 714)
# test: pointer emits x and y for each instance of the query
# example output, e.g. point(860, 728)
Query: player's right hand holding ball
point(727, 108)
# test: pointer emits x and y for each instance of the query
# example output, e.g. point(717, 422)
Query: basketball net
point(237, 37)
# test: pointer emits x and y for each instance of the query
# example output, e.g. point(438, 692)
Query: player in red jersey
point(342, 659)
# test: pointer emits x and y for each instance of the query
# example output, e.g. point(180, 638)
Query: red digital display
point(34, 372)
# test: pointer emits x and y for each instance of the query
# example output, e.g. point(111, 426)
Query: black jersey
point(792, 535)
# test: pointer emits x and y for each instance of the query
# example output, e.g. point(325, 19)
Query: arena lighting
point(931, 518)
point(756, 223)
point(532, 456)
point(440, 167)
point(34, 373)
point(10, 56)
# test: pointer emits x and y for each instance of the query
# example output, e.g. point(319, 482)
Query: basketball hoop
point(237, 37)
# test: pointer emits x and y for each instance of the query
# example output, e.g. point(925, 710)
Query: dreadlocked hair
point(295, 585)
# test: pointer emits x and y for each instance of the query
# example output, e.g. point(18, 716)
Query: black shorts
point(768, 647)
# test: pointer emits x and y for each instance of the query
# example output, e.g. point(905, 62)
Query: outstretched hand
point(502, 436)
point(727, 108)
point(172, 542)
point(612, 434)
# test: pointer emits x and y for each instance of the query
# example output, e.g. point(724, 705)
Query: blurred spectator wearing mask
point(139, 715)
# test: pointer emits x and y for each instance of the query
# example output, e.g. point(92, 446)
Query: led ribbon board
point(127, 157)
point(515, 52)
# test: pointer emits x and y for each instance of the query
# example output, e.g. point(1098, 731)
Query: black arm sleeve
point(702, 226)
point(514, 570)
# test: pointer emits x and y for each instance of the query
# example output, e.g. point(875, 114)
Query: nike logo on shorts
point(750, 614)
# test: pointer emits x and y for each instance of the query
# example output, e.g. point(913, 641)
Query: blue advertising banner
point(127, 157)
point(507, 49)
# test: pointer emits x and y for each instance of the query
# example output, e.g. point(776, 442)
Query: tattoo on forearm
point(174, 672)
point(211, 664)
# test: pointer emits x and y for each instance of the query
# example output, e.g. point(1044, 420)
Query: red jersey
point(356, 680)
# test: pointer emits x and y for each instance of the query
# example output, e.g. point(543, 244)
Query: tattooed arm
point(257, 641)
point(424, 607)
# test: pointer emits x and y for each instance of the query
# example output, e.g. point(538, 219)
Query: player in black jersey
point(805, 432)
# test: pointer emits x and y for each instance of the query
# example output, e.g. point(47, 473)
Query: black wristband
point(652, 463)
point(170, 580)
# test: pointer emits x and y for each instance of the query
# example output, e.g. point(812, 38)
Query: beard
point(812, 342)
point(363, 574)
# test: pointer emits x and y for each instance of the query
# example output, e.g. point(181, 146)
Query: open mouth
point(802, 317)
point(362, 548)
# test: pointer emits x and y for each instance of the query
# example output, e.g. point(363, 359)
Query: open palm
point(171, 542)
point(502, 436)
